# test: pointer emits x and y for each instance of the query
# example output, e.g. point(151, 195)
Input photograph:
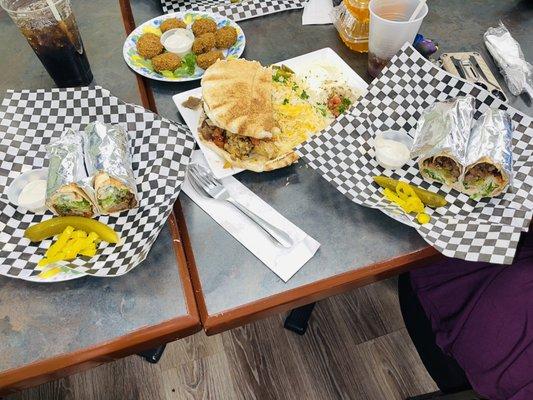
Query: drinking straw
point(417, 10)
point(61, 23)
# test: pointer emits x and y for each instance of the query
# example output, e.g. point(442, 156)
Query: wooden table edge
point(39, 372)
point(299, 296)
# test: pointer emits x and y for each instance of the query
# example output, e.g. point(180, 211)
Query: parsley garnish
point(345, 104)
point(304, 95)
point(285, 101)
point(294, 86)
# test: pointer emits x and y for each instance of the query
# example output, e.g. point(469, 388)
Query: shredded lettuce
point(434, 175)
point(188, 66)
point(113, 197)
point(65, 205)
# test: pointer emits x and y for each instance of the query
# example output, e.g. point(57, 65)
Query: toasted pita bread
point(237, 97)
point(256, 164)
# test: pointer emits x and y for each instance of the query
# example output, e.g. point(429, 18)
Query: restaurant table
point(358, 245)
point(51, 329)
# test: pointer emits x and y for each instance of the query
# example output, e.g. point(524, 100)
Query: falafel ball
point(225, 37)
point(149, 45)
point(203, 43)
point(166, 62)
point(204, 25)
point(172, 23)
point(205, 60)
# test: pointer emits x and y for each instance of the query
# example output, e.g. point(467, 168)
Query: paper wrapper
point(160, 153)
point(443, 131)
point(66, 174)
point(491, 143)
point(108, 161)
point(343, 154)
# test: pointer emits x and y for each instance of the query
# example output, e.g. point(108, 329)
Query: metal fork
point(205, 183)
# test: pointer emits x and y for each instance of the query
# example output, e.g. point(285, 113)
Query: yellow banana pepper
point(407, 199)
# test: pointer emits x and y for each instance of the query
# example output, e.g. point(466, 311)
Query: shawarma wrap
point(108, 161)
point(66, 193)
point(489, 156)
point(441, 140)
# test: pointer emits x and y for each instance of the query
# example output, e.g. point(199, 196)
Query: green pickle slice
point(430, 199)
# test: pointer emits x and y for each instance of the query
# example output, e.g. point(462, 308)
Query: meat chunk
point(213, 134)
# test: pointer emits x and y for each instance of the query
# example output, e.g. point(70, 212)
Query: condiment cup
point(20, 182)
point(397, 161)
point(184, 47)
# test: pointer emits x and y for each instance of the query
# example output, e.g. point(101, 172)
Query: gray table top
point(40, 321)
point(351, 236)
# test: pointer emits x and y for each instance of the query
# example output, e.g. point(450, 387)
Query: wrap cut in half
point(485, 178)
point(112, 194)
point(238, 120)
point(489, 156)
point(441, 139)
point(442, 167)
point(108, 161)
point(66, 191)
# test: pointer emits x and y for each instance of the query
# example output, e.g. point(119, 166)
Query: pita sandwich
point(238, 117)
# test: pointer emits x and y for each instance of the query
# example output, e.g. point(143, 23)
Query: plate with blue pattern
point(144, 67)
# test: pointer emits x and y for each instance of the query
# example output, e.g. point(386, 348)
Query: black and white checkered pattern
point(161, 151)
point(486, 230)
point(245, 9)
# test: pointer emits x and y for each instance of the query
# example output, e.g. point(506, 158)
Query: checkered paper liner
point(244, 9)
point(29, 120)
point(486, 230)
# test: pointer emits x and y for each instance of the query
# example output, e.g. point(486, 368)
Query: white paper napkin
point(283, 262)
point(317, 12)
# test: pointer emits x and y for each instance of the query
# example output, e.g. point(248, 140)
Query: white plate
point(297, 63)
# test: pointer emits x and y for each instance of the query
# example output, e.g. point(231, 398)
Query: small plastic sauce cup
point(392, 149)
point(178, 41)
point(16, 187)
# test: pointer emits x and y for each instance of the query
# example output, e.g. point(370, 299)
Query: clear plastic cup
point(52, 32)
point(389, 29)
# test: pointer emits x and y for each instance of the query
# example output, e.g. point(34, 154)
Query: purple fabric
point(482, 315)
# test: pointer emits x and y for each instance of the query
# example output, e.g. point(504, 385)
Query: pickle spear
point(428, 198)
point(57, 225)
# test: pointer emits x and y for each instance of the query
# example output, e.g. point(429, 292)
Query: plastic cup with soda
point(52, 32)
point(390, 28)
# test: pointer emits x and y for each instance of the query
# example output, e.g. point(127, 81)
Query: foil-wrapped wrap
point(489, 158)
point(507, 54)
point(108, 161)
point(441, 139)
point(66, 192)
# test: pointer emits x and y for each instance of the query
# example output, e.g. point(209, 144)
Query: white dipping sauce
point(33, 194)
point(390, 153)
point(178, 41)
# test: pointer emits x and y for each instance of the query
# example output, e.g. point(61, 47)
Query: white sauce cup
point(184, 45)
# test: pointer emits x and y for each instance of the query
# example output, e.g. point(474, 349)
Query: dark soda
point(54, 37)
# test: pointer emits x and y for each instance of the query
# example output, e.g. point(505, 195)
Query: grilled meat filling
point(481, 171)
point(445, 164)
point(236, 145)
